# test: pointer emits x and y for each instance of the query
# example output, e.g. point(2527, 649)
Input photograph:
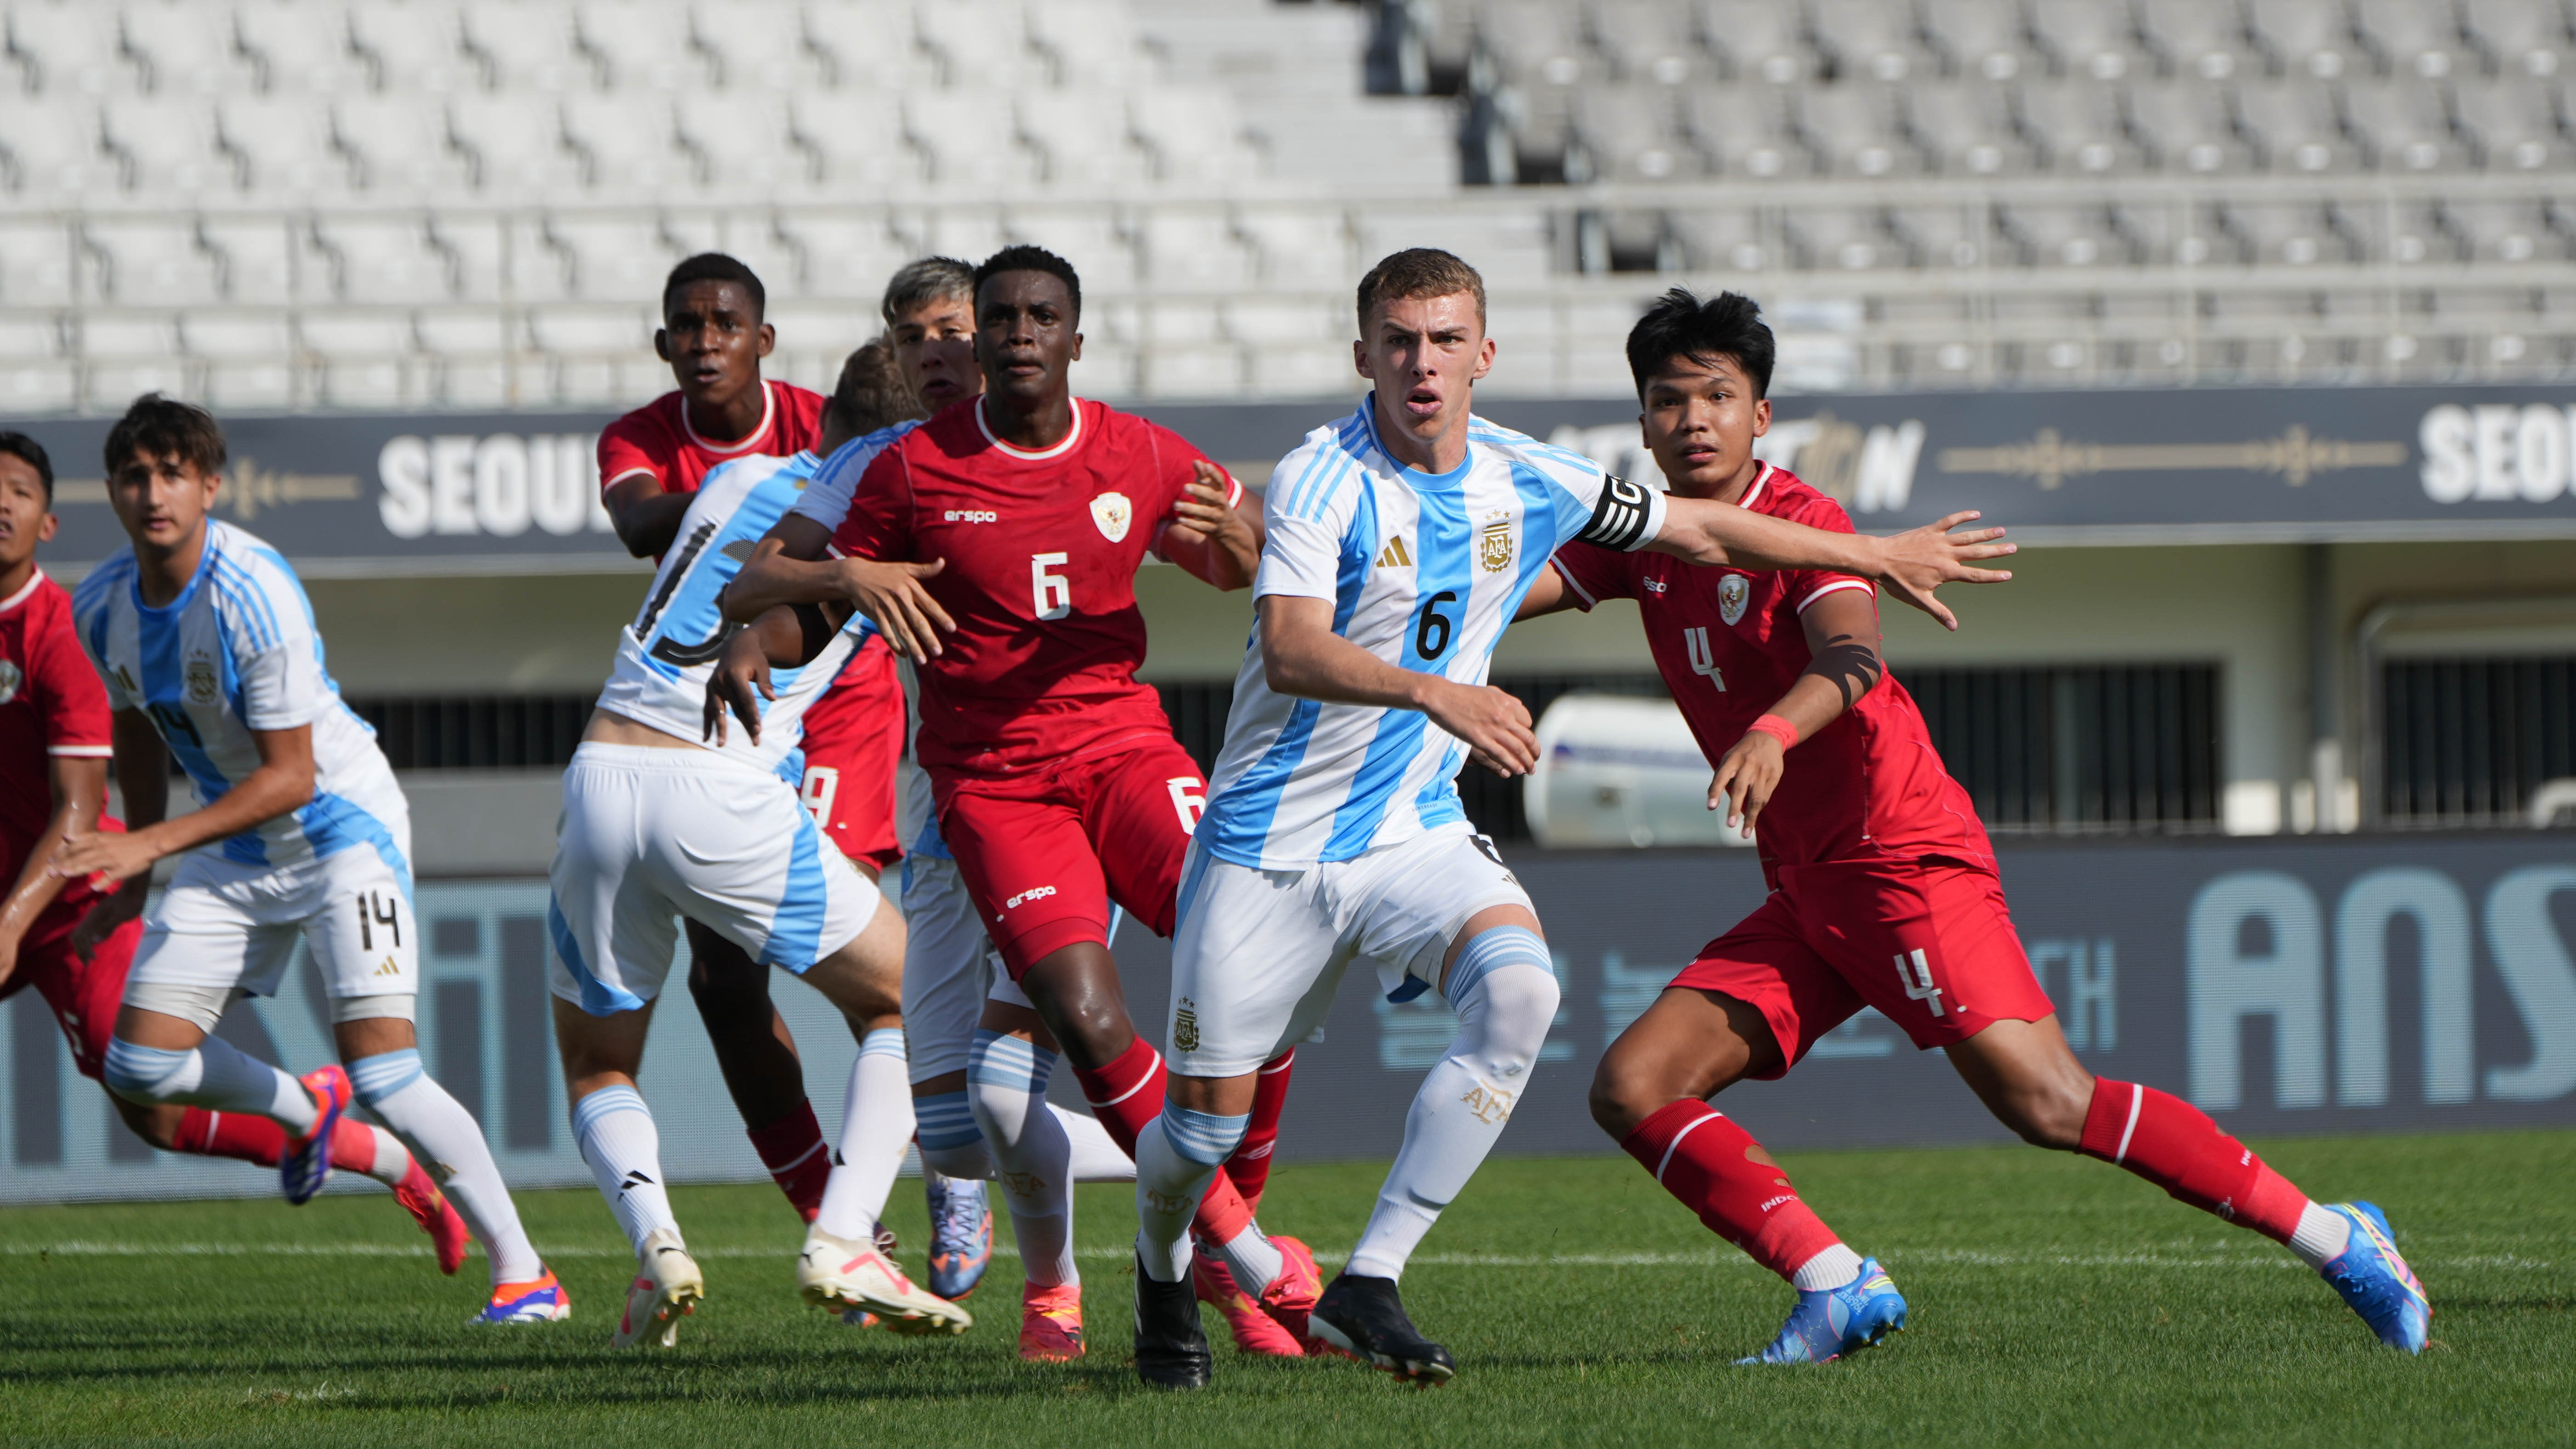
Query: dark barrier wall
point(360, 495)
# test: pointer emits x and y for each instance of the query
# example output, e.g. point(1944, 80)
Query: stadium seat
point(868, 45)
point(525, 47)
point(1092, 44)
point(1300, 247)
point(1092, 238)
point(2286, 233)
point(2186, 127)
point(53, 148)
point(1743, 131)
point(841, 256)
point(285, 143)
point(2400, 233)
point(33, 376)
point(1082, 142)
point(2076, 126)
point(2409, 37)
point(501, 259)
point(2509, 123)
point(2172, 232)
point(366, 359)
point(1648, 41)
point(168, 146)
point(1942, 236)
point(1196, 249)
point(747, 142)
point(645, 44)
point(1193, 135)
point(1728, 239)
point(600, 357)
point(124, 354)
point(1865, 40)
point(1628, 133)
point(614, 257)
point(2294, 125)
point(2302, 37)
point(378, 259)
point(2196, 38)
point(1855, 130)
point(1536, 43)
point(979, 43)
point(1965, 128)
point(293, 51)
point(858, 136)
point(2086, 38)
point(399, 143)
point(263, 260)
point(757, 45)
point(1978, 40)
point(971, 137)
point(185, 48)
point(2525, 36)
point(70, 49)
point(420, 47)
point(1757, 40)
point(515, 140)
point(249, 357)
point(629, 143)
point(36, 263)
point(2064, 234)
point(2402, 124)
point(2503, 231)
point(1838, 239)
point(149, 262)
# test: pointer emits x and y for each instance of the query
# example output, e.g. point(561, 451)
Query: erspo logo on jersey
point(499, 485)
point(971, 515)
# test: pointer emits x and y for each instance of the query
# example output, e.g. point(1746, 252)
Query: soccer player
point(1883, 891)
point(55, 745)
point(1400, 541)
point(209, 652)
point(997, 546)
point(659, 820)
point(651, 461)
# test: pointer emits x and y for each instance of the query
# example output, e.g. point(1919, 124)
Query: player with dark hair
point(1884, 890)
point(997, 546)
point(207, 645)
point(55, 745)
point(1400, 542)
point(714, 334)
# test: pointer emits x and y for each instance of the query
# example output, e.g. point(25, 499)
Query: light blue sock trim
point(945, 1121)
point(1203, 1137)
point(885, 1041)
point(1000, 1060)
point(372, 1079)
point(1492, 947)
point(137, 1072)
point(603, 1102)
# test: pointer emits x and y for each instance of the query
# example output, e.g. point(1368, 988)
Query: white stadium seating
point(469, 203)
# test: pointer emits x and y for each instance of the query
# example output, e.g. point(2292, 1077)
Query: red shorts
point(84, 995)
point(1043, 855)
point(1928, 943)
point(853, 741)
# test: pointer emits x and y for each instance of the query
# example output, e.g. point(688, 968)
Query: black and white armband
point(1627, 517)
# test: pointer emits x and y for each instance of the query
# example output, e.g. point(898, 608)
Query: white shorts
point(948, 967)
point(648, 835)
point(1258, 954)
point(226, 926)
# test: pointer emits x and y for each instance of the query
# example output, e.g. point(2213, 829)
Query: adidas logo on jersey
point(1394, 555)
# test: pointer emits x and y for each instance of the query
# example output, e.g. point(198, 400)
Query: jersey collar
point(1437, 482)
point(768, 413)
point(23, 595)
point(1753, 495)
point(1064, 445)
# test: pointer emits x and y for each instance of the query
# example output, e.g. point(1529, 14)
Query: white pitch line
point(1944, 1257)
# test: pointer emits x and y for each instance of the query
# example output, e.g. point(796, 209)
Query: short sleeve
point(70, 696)
point(1593, 573)
point(623, 453)
point(1805, 586)
point(878, 521)
point(87, 624)
point(275, 655)
point(826, 499)
point(1307, 522)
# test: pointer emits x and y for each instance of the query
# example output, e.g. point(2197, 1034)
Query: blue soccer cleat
point(539, 1300)
point(2375, 1280)
point(1831, 1323)
point(961, 1234)
point(307, 1163)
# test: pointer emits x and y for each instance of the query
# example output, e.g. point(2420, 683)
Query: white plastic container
point(1618, 771)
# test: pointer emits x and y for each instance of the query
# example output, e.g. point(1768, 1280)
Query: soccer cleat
point(837, 1273)
point(1051, 1323)
point(1171, 1349)
point(1364, 1318)
point(307, 1163)
point(429, 1207)
point(2375, 1280)
point(1290, 1299)
point(1255, 1331)
point(540, 1301)
point(961, 1234)
point(1830, 1323)
point(666, 1289)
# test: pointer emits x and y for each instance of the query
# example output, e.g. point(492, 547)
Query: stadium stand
point(453, 204)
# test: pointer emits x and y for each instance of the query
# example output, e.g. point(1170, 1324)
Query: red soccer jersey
point(1042, 551)
point(1729, 644)
point(51, 703)
point(656, 439)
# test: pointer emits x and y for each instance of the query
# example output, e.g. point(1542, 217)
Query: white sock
point(1032, 1150)
point(876, 1122)
point(1835, 1267)
point(624, 1150)
point(1503, 1017)
point(213, 1075)
point(449, 1144)
point(1092, 1154)
point(2321, 1237)
point(1252, 1259)
point(1177, 1156)
point(393, 1160)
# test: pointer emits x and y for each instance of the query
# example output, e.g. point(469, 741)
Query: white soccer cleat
point(666, 1289)
point(839, 1274)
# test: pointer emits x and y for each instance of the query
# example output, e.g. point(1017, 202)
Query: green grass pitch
point(2053, 1300)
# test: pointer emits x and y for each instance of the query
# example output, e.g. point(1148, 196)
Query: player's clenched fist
point(1919, 560)
point(1202, 515)
point(891, 595)
point(1494, 725)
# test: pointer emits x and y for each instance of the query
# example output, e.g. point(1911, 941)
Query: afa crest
point(1494, 545)
point(201, 681)
point(1113, 513)
point(1185, 1026)
point(1734, 591)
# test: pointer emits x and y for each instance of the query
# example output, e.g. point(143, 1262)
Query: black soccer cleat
point(1171, 1350)
point(1364, 1317)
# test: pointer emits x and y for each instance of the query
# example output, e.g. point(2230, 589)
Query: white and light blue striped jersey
point(827, 498)
point(1423, 571)
point(666, 656)
point(237, 651)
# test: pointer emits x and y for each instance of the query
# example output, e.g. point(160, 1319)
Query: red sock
point(241, 1135)
point(1721, 1173)
point(1249, 1167)
point(1126, 1096)
point(2174, 1145)
point(792, 1149)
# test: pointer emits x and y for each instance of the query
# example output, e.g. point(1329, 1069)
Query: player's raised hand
point(741, 670)
point(1746, 777)
point(891, 595)
point(1919, 560)
point(1493, 723)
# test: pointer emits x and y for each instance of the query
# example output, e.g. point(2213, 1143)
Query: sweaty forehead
point(705, 299)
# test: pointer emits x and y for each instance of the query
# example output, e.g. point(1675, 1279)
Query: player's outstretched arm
point(790, 565)
point(283, 782)
point(1302, 656)
point(1216, 541)
point(646, 518)
point(78, 782)
point(889, 594)
point(1909, 565)
point(1842, 665)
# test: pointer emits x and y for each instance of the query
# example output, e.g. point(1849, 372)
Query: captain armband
point(1627, 516)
